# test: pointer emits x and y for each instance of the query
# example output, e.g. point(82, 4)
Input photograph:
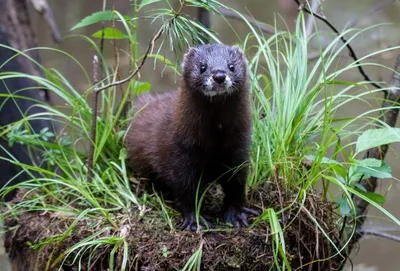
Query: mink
point(200, 133)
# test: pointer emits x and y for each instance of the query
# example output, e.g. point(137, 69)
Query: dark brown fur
point(178, 138)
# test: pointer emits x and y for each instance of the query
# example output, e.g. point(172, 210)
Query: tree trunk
point(16, 32)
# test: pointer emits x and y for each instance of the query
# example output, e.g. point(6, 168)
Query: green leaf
point(165, 251)
point(122, 154)
point(377, 198)
point(110, 33)
point(360, 194)
point(361, 187)
point(96, 17)
point(165, 61)
point(339, 170)
point(148, 2)
point(377, 137)
point(324, 160)
point(370, 162)
point(355, 177)
point(382, 170)
point(343, 206)
point(141, 87)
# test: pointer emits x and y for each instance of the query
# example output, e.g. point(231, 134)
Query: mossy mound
point(153, 246)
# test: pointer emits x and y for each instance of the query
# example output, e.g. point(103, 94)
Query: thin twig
point(180, 8)
point(102, 28)
point(381, 234)
point(149, 51)
point(117, 71)
point(351, 51)
point(94, 120)
point(43, 8)
point(310, 21)
point(93, 128)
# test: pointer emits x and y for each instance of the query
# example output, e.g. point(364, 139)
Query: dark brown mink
point(201, 132)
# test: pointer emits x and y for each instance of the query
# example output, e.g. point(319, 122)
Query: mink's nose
point(219, 77)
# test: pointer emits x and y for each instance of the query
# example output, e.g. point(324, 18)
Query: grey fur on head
point(215, 69)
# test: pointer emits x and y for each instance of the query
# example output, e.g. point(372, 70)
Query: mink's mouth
point(213, 88)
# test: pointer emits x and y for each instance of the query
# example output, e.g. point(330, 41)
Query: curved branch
point(351, 51)
point(381, 234)
point(149, 51)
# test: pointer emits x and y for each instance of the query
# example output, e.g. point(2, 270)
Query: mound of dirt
point(153, 246)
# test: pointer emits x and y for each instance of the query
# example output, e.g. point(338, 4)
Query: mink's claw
point(237, 216)
point(250, 211)
point(189, 223)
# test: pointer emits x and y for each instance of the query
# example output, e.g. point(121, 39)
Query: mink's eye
point(203, 68)
point(231, 67)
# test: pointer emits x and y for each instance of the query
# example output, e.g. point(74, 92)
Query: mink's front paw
point(237, 216)
point(189, 223)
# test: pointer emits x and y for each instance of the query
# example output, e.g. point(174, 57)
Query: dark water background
point(375, 253)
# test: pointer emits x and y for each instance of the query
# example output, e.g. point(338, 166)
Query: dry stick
point(310, 21)
point(351, 51)
point(117, 72)
point(43, 8)
point(94, 119)
point(93, 128)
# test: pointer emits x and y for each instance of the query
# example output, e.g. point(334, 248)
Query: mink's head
point(215, 69)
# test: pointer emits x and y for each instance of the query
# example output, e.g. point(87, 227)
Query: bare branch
point(94, 120)
point(310, 21)
point(149, 51)
point(43, 8)
point(116, 60)
point(381, 234)
point(351, 51)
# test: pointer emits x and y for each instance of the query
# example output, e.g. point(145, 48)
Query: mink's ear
point(189, 52)
point(192, 50)
point(240, 53)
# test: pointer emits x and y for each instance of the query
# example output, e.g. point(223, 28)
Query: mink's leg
point(234, 209)
point(185, 195)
